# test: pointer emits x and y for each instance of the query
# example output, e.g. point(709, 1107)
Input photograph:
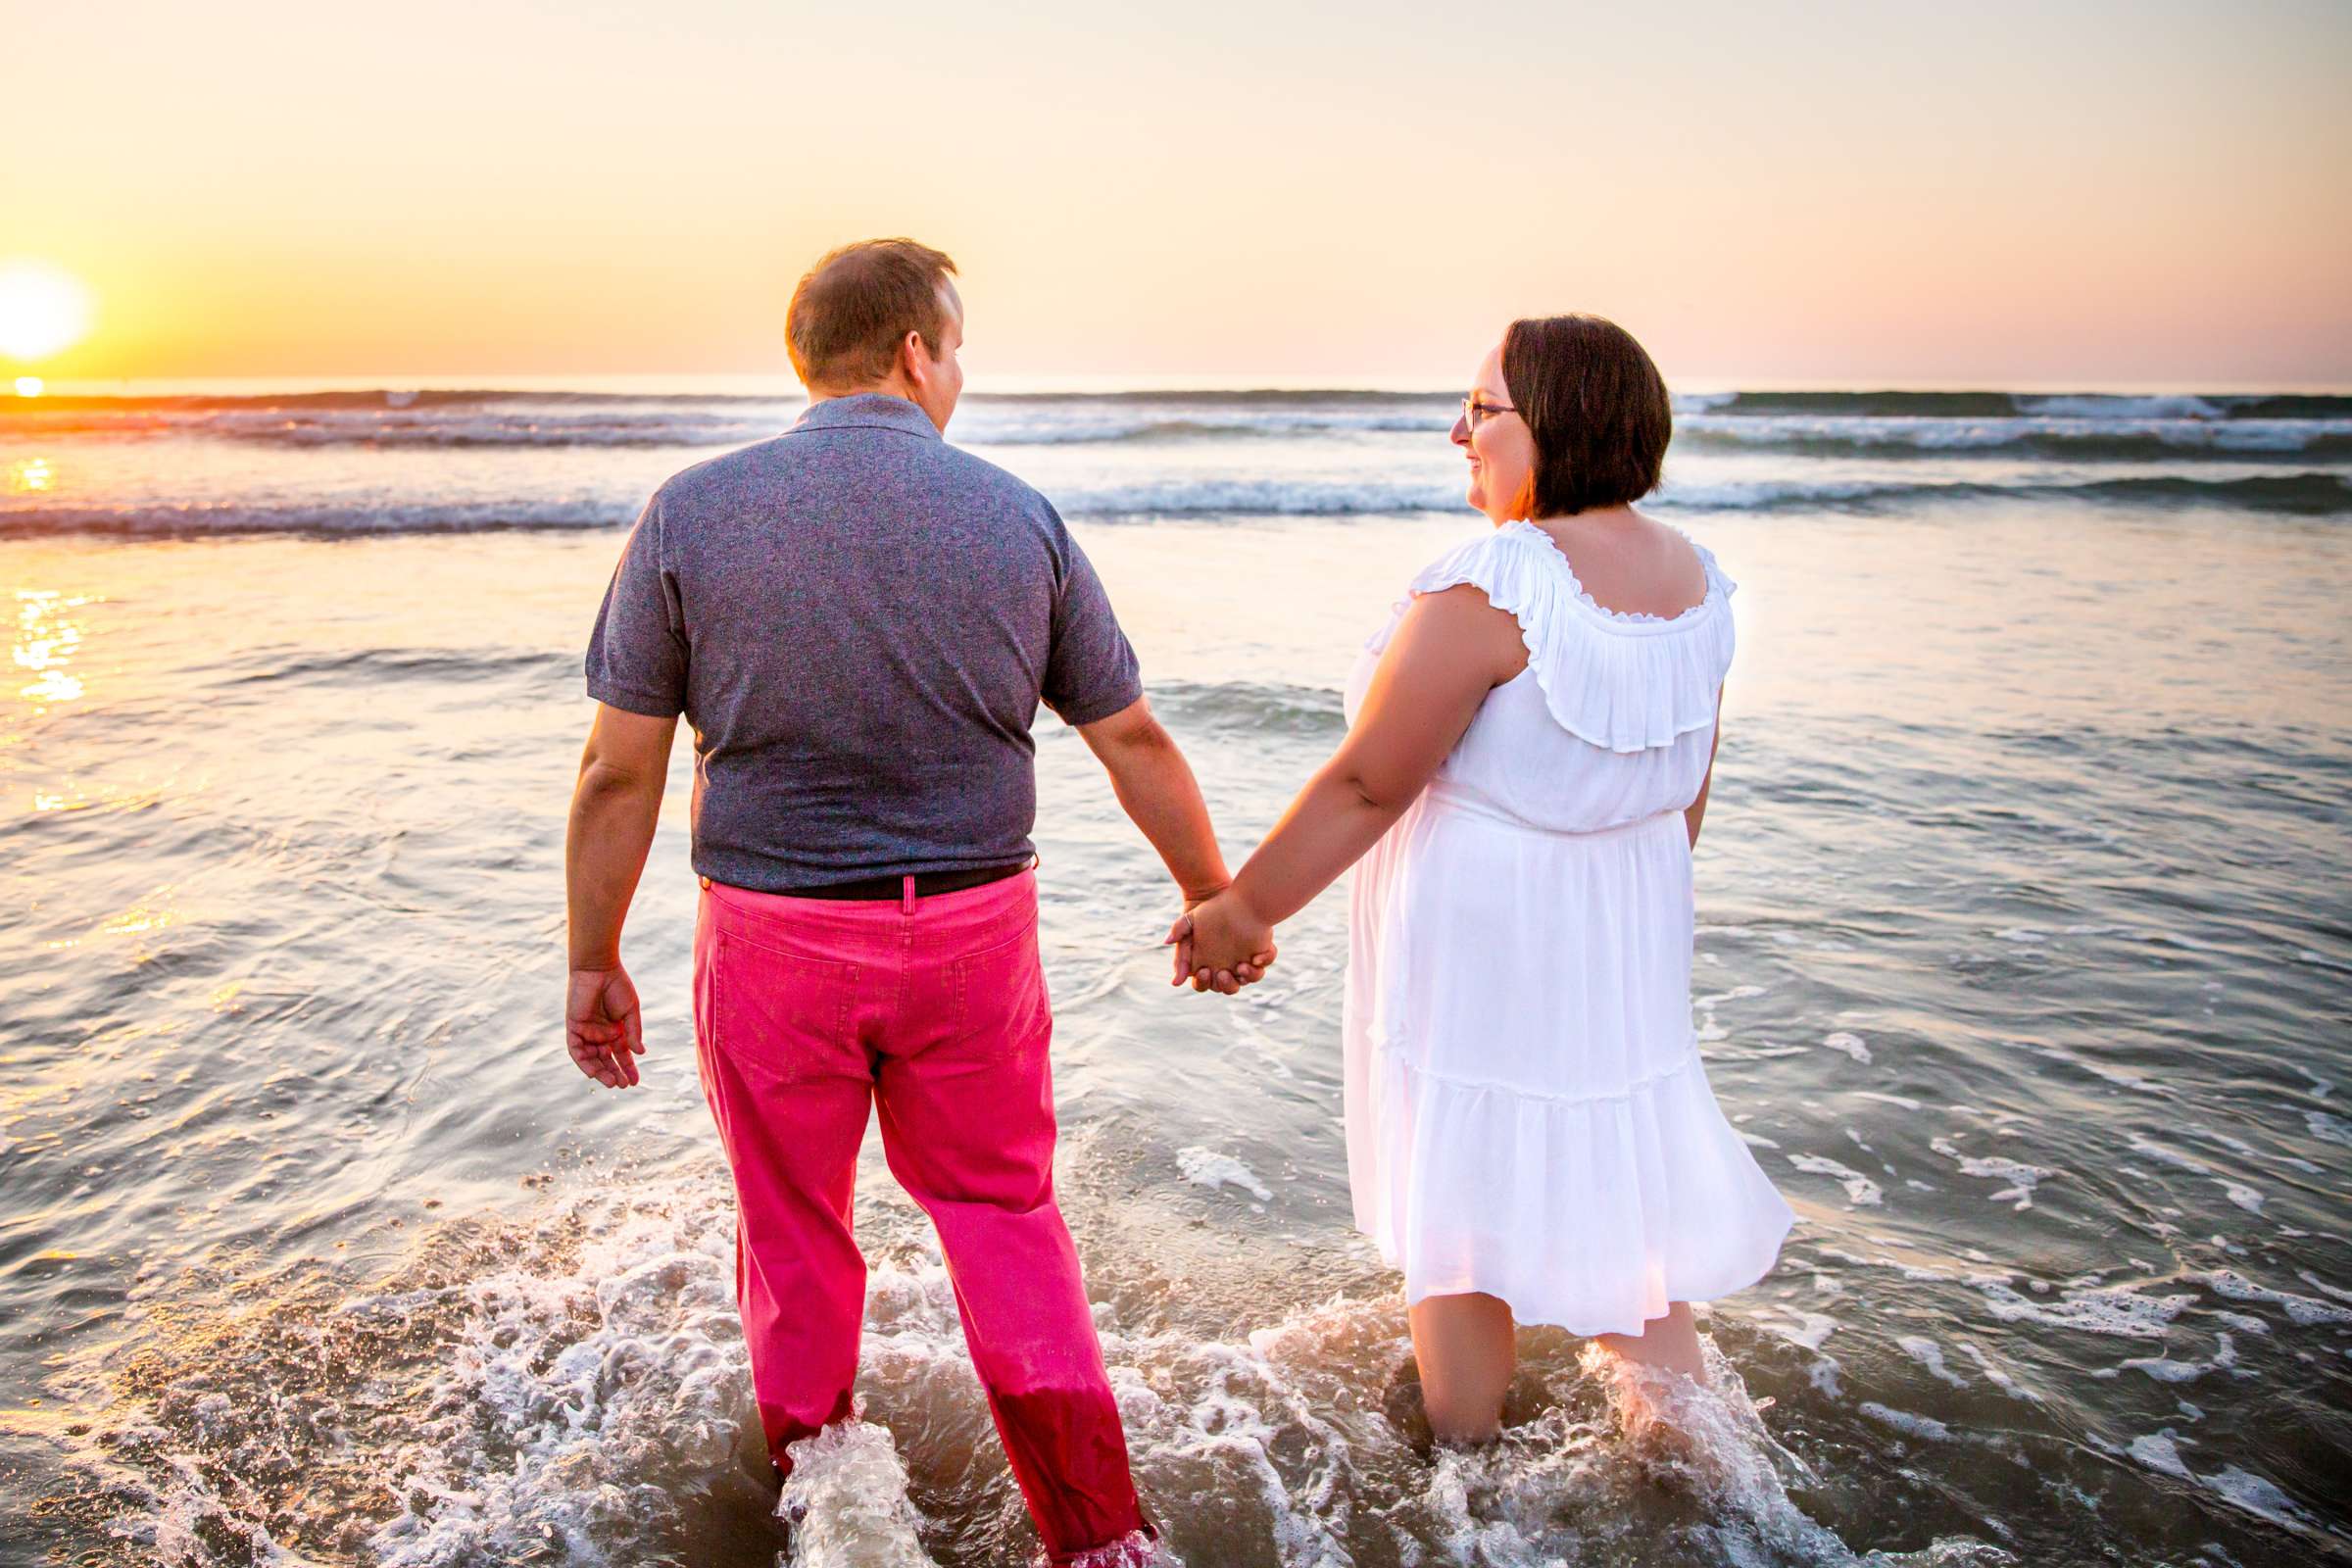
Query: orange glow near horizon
point(2067, 193)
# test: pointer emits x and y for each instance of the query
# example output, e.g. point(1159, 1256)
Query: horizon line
point(784, 387)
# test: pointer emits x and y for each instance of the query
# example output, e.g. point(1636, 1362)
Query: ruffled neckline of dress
point(1623, 684)
point(1719, 587)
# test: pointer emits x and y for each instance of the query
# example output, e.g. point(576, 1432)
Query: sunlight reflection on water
point(47, 637)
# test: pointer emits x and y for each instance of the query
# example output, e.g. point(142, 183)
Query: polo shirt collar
point(874, 410)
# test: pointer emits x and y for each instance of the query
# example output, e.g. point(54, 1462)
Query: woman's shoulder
point(1501, 561)
point(1719, 581)
point(1523, 570)
point(1624, 683)
point(1715, 585)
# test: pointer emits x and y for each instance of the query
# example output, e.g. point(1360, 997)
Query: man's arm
point(1156, 790)
point(614, 809)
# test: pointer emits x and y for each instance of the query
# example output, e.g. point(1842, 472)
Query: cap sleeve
point(1622, 685)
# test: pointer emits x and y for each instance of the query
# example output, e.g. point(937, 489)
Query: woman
point(1529, 1133)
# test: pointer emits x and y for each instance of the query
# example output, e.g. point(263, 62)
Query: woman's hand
point(1221, 945)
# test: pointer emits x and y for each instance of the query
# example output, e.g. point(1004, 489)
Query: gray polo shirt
point(859, 620)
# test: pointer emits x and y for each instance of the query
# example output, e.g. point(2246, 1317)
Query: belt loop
point(907, 895)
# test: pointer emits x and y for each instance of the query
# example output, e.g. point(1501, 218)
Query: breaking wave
point(2318, 493)
point(2081, 425)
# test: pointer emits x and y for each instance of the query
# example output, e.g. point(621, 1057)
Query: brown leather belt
point(927, 884)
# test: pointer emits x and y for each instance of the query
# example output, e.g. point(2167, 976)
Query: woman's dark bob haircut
point(1596, 406)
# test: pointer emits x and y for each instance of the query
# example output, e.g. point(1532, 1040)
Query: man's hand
point(1221, 945)
point(614, 809)
point(603, 1027)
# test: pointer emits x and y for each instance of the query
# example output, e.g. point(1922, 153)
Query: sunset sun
point(43, 310)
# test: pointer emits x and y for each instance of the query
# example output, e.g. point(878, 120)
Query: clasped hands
point(1221, 944)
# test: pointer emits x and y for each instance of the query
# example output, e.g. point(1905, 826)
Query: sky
point(1994, 195)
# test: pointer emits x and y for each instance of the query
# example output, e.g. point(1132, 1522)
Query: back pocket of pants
point(783, 1013)
point(1000, 993)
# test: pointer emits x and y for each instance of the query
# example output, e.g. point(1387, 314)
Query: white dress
point(1527, 1113)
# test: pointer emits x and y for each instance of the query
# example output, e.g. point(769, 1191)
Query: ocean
point(2023, 964)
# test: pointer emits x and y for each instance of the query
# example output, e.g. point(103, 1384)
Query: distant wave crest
point(203, 518)
point(2089, 425)
point(2310, 494)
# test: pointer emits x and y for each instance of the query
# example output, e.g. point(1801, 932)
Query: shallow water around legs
point(2022, 965)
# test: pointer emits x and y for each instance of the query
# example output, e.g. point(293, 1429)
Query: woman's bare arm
point(1695, 812)
point(1451, 649)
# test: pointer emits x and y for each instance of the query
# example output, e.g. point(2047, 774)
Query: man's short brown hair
point(852, 310)
point(1596, 406)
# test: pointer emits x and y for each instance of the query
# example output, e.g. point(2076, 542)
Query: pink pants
point(808, 1012)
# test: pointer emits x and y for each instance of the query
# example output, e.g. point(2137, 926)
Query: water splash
point(847, 1502)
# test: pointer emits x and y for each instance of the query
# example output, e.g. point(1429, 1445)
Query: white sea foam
point(2328, 1128)
point(2115, 1309)
point(1860, 1191)
point(1995, 1373)
point(2256, 1496)
point(1850, 1044)
point(2109, 406)
point(1928, 1354)
point(2239, 1146)
point(1923, 1427)
point(1205, 1167)
point(2141, 1144)
point(1812, 1330)
point(2321, 1286)
point(552, 1432)
point(2020, 1177)
point(2303, 1311)
point(2126, 1077)
point(2164, 1370)
point(2161, 1451)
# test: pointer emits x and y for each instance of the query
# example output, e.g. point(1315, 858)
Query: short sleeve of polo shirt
point(637, 650)
point(1092, 671)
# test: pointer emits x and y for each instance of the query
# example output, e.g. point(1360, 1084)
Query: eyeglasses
point(1476, 413)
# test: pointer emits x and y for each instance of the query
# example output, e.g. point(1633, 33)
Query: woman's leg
point(1467, 1352)
point(1670, 1342)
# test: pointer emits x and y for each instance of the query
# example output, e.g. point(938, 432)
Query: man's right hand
point(603, 1027)
point(614, 809)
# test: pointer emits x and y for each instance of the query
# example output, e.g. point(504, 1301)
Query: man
point(860, 621)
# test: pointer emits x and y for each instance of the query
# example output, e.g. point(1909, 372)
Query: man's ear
point(914, 361)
